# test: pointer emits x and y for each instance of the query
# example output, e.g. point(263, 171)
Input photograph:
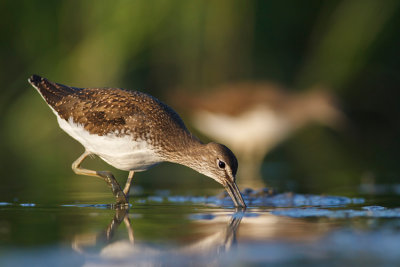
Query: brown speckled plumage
point(112, 110)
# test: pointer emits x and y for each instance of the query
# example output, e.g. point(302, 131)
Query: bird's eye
point(221, 164)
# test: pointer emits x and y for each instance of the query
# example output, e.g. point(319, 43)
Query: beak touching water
point(235, 194)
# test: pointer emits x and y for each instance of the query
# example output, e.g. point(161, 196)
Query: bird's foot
point(122, 200)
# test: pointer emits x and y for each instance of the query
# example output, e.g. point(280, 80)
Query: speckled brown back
point(111, 110)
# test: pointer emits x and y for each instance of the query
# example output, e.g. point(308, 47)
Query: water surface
point(165, 230)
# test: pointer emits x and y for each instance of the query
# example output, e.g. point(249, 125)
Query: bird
point(133, 131)
point(253, 117)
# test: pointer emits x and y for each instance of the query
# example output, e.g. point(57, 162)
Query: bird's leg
point(115, 188)
point(105, 175)
point(128, 183)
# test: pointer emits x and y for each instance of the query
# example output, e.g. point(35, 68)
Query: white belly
point(121, 152)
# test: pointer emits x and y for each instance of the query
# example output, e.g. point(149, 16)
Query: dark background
point(350, 47)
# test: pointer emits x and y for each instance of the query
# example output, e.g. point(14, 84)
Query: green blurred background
point(351, 47)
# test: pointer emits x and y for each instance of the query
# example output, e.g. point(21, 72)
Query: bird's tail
point(50, 91)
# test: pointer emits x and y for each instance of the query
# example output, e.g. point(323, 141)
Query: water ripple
point(380, 212)
point(254, 200)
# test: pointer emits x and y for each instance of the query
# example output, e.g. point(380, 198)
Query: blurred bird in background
point(252, 118)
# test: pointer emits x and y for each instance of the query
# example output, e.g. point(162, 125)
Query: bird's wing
point(103, 110)
point(110, 110)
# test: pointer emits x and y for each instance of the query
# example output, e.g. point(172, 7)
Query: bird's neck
point(192, 154)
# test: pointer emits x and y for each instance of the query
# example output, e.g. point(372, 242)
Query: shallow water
point(163, 229)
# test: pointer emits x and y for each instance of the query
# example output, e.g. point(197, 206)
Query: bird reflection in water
point(82, 243)
point(221, 241)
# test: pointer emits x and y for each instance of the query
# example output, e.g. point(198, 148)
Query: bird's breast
point(118, 150)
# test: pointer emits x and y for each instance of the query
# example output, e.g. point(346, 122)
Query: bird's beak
point(235, 194)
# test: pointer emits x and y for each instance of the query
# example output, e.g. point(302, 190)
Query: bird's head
point(221, 164)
